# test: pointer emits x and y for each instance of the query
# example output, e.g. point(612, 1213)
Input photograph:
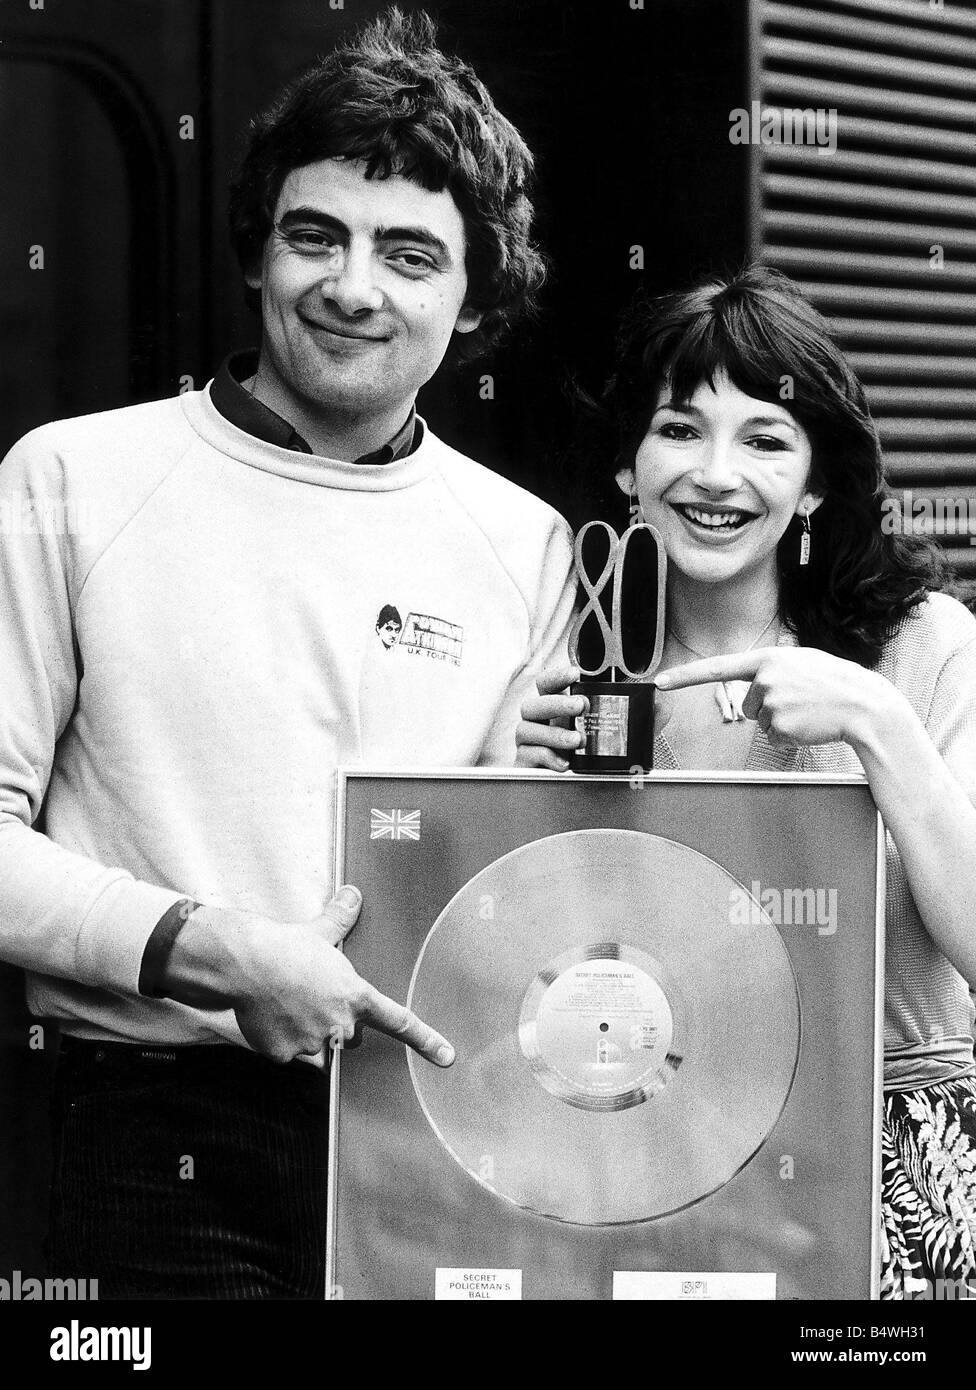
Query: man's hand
point(547, 732)
point(292, 991)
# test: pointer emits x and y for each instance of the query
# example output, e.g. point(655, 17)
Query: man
point(183, 675)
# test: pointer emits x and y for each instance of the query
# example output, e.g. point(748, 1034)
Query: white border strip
point(879, 988)
point(522, 774)
point(332, 1177)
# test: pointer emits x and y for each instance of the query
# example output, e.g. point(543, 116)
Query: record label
point(596, 1028)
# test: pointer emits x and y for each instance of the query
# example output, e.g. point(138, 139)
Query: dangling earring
point(805, 540)
point(636, 511)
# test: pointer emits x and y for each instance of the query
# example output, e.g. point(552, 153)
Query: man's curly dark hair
point(389, 97)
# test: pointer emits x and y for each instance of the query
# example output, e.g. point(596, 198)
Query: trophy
point(617, 645)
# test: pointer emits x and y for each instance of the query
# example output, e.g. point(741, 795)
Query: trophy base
point(619, 728)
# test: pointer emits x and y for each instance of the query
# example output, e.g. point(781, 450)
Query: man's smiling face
point(362, 284)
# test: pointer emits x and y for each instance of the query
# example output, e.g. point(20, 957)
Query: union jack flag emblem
point(394, 825)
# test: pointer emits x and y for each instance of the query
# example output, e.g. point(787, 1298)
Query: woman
point(804, 633)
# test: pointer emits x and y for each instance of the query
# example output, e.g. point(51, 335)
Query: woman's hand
point(547, 733)
point(799, 695)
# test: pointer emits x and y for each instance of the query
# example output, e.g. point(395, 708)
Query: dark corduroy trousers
point(191, 1172)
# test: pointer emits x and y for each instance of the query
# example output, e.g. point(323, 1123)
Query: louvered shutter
point(864, 229)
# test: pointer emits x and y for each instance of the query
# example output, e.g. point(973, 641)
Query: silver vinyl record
point(625, 1044)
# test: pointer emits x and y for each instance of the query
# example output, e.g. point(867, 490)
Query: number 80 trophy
point(623, 636)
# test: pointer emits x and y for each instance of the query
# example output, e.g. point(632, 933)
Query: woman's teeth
point(716, 521)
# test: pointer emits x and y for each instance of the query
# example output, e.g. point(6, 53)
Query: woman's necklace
point(729, 695)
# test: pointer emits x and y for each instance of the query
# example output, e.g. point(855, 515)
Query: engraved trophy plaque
point(616, 641)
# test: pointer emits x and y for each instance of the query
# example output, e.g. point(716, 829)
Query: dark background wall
point(628, 111)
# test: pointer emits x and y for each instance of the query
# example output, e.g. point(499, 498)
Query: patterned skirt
point(928, 1192)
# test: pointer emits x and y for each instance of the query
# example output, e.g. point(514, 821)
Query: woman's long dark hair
point(758, 328)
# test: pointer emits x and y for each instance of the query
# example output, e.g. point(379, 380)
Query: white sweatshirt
point(189, 649)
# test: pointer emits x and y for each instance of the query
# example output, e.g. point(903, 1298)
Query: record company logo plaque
point(596, 1028)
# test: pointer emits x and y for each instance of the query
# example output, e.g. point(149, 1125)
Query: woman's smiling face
point(721, 476)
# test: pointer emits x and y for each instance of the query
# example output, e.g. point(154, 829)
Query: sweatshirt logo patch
point(421, 635)
point(425, 635)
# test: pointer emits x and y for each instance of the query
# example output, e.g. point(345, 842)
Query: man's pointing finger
point(399, 1022)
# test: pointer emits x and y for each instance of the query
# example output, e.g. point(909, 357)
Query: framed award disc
point(665, 1003)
